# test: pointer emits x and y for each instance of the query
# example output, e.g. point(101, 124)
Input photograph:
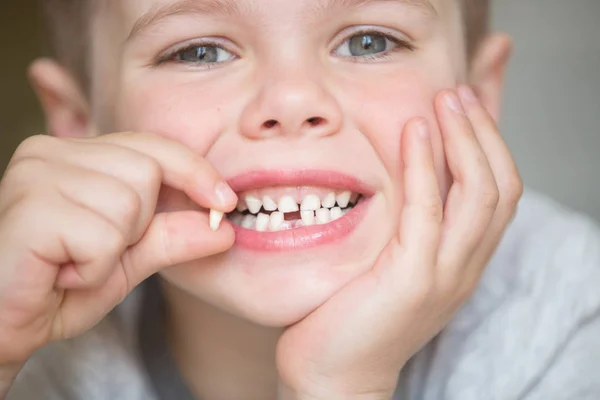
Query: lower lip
point(302, 238)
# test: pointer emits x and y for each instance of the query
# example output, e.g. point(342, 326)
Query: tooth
point(276, 220)
point(308, 217)
point(269, 204)
point(323, 216)
point(354, 198)
point(241, 207)
point(343, 198)
point(215, 219)
point(254, 204)
point(329, 200)
point(336, 213)
point(248, 221)
point(311, 202)
point(262, 222)
point(287, 204)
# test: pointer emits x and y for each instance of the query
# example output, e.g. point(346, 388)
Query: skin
point(445, 189)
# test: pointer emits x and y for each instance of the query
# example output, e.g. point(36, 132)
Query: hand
point(355, 345)
point(78, 230)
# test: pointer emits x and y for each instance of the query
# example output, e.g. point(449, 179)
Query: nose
point(291, 108)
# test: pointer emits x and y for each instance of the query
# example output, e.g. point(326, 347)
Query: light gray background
point(552, 109)
point(551, 117)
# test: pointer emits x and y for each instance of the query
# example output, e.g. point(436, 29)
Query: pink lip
point(306, 237)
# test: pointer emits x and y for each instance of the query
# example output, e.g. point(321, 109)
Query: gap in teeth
point(277, 221)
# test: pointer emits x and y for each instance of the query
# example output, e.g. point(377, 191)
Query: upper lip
point(258, 179)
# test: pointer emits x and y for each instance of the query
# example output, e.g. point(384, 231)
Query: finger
point(106, 197)
point(504, 169)
point(137, 172)
point(92, 253)
point(423, 209)
point(181, 168)
point(175, 238)
point(473, 196)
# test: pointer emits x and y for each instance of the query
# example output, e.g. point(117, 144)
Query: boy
point(364, 213)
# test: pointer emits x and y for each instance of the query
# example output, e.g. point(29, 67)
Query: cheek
point(183, 112)
point(386, 105)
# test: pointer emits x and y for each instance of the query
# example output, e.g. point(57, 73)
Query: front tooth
point(323, 216)
point(343, 198)
point(269, 204)
point(254, 204)
point(215, 219)
point(262, 222)
point(329, 200)
point(336, 213)
point(287, 204)
point(276, 220)
point(311, 203)
point(308, 217)
point(241, 207)
point(248, 221)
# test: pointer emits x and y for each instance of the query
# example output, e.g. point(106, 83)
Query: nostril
point(315, 121)
point(270, 123)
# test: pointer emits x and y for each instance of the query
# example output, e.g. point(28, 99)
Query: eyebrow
point(233, 8)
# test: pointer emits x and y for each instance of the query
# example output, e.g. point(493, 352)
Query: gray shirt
point(530, 332)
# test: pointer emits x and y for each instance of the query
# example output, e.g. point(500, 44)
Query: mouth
point(287, 210)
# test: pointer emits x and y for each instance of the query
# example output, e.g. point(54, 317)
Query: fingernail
point(423, 129)
point(225, 194)
point(467, 94)
point(453, 103)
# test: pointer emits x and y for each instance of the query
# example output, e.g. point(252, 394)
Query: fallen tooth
point(343, 198)
point(308, 217)
point(215, 219)
point(262, 222)
point(276, 220)
point(248, 222)
point(336, 213)
point(311, 203)
point(254, 204)
point(287, 204)
point(329, 200)
point(323, 216)
point(269, 204)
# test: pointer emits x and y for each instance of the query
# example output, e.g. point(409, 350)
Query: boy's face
point(272, 88)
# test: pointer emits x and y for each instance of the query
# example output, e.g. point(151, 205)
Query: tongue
point(292, 216)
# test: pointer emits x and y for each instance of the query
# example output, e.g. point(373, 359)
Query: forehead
point(141, 12)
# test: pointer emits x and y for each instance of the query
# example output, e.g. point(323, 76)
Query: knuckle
point(434, 207)
point(512, 191)
point(34, 146)
point(490, 196)
point(129, 206)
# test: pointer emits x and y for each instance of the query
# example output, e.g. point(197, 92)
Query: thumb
point(175, 238)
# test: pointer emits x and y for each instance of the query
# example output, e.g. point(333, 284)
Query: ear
point(488, 70)
point(65, 107)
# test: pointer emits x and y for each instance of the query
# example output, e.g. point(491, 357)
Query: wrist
point(8, 373)
point(322, 394)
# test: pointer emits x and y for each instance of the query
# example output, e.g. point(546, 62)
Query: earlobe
point(65, 107)
point(488, 70)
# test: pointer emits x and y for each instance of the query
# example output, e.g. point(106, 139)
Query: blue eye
point(203, 54)
point(369, 45)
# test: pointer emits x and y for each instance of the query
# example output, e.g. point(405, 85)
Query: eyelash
point(401, 45)
point(171, 55)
